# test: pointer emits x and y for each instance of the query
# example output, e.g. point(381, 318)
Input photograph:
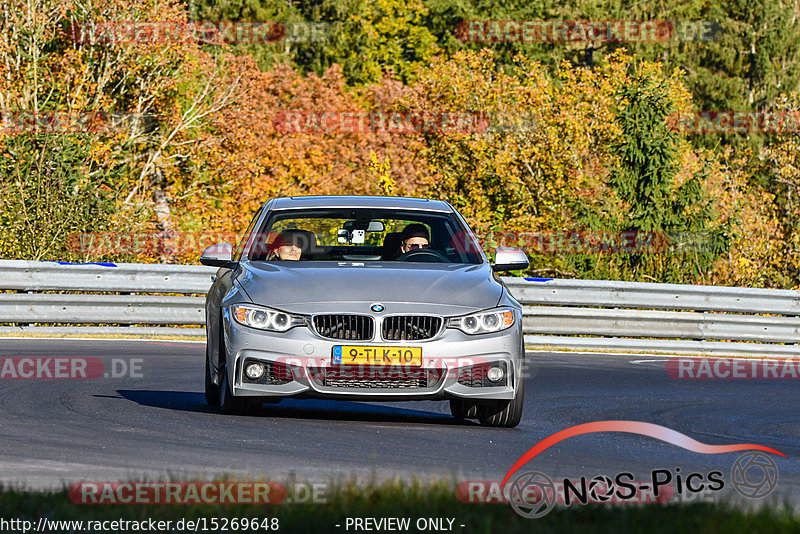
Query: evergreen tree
point(645, 182)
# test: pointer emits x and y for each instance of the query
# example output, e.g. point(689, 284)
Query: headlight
point(484, 322)
point(264, 318)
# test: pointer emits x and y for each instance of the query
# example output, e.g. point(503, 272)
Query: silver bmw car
point(364, 298)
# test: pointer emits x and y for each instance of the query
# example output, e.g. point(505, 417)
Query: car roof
point(355, 201)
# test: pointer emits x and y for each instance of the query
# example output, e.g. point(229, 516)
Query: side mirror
point(219, 255)
point(509, 259)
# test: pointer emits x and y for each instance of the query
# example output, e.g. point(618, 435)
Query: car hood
point(327, 287)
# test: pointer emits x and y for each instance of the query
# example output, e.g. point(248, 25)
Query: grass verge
point(414, 500)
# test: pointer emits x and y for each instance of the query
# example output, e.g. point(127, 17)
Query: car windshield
point(347, 234)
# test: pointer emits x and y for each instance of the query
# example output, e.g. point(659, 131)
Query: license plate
point(361, 355)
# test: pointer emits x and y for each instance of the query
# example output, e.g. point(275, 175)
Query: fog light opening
point(254, 371)
point(495, 374)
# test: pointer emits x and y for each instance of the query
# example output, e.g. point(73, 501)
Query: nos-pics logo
point(533, 494)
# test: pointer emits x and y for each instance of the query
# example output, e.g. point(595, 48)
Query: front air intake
point(347, 327)
point(410, 327)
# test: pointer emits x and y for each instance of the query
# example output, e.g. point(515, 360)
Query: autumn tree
point(57, 64)
point(249, 154)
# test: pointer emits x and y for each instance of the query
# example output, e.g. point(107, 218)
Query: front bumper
point(299, 363)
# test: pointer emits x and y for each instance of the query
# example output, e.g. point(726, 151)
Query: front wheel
point(228, 403)
point(462, 409)
point(212, 390)
point(506, 414)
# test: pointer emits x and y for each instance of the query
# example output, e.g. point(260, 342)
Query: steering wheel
point(423, 254)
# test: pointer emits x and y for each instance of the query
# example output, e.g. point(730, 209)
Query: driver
point(415, 236)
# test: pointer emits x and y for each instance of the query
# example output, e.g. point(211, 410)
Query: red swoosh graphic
point(634, 427)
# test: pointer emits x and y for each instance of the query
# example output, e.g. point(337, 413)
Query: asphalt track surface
point(157, 425)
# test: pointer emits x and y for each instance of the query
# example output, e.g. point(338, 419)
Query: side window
point(245, 237)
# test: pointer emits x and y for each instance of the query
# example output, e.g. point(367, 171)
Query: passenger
point(288, 245)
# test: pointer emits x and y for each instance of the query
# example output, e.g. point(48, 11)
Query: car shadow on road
point(319, 409)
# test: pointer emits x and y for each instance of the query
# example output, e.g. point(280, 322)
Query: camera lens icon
point(754, 475)
point(532, 494)
point(601, 489)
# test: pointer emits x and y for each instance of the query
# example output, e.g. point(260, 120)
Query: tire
point(462, 409)
point(212, 390)
point(505, 414)
point(228, 403)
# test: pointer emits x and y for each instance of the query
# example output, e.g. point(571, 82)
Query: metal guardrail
point(608, 293)
point(101, 309)
point(643, 323)
point(24, 275)
point(619, 314)
point(710, 320)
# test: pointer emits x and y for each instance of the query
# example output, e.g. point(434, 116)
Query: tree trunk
point(158, 183)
